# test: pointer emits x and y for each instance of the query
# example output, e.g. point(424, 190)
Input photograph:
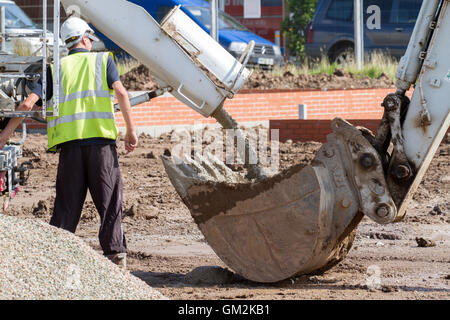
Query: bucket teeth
point(184, 168)
point(181, 175)
point(211, 171)
point(227, 174)
point(186, 172)
point(197, 167)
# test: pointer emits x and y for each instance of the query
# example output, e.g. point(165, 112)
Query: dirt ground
point(165, 244)
point(139, 78)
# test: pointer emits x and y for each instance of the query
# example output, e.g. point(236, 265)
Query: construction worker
point(85, 133)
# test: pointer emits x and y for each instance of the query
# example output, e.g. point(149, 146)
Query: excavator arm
point(304, 219)
point(418, 127)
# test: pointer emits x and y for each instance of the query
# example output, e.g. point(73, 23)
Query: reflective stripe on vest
point(82, 95)
point(86, 108)
point(79, 116)
point(98, 92)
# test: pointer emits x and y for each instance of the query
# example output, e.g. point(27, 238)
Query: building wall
point(271, 11)
point(313, 130)
point(270, 21)
point(317, 130)
point(268, 105)
point(33, 8)
point(165, 113)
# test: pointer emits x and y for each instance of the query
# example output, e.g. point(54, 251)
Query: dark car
point(388, 25)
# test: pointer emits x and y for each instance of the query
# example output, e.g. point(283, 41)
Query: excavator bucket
point(267, 229)
point(300, 221)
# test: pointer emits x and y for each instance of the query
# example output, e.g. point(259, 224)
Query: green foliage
point(375, 65)
point(294, 27)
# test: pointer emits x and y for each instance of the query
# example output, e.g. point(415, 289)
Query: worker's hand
point(131, 141)
point(2, 181)
point(13, 123)
point(3, 139)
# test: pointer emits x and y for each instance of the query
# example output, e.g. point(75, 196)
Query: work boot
point(118, 258)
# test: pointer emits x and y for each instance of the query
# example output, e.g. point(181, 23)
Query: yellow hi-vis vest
point(86, 107)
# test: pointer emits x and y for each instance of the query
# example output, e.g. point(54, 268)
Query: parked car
point(17, 22)
point(233, 36)
point(388, 25)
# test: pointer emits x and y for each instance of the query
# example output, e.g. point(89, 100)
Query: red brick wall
point(270, 21)
point(265, 106)
point(313, 130)
point(251, 107)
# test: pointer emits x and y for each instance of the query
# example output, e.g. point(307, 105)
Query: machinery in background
point(25, 52)
point(17, 74)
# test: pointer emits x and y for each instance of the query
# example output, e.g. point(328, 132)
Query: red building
point(268, 25)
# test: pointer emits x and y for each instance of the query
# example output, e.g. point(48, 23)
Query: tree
point(294, 26)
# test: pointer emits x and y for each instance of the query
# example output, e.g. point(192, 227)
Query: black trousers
point(94, 167)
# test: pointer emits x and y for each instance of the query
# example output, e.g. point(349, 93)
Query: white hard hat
point(74, 29)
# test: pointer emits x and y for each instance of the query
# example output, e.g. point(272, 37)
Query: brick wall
point(248, 108)
point(252, 107)
point(314, 130)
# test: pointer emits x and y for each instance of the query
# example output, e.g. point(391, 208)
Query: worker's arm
point(131, 139)
point(13, 123)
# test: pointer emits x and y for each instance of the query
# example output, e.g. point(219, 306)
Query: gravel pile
point(38, 261)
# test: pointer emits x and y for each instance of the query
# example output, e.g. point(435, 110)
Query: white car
point(17, 22)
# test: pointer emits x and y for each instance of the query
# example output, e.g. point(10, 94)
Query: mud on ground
point(140, 79)
point(166, 247)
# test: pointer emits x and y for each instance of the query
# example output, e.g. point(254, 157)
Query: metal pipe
point(145, 97)
point(227, 122)
point(24, 133)
point(3, 27)
point(24, 136)
point(44, 59)
point(359, 32)
point(56, 62)
point(284, 15)
point(214, 20)
point(243, 60)
point(278, 38)
point(39, 120)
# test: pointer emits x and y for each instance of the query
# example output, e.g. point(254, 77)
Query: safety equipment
point(74, 29)
point(86, 107)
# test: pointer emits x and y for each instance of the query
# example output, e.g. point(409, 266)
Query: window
point(341, 10)
point(405, 11)
point(162, 11)
point(203, 14)
point(16, 18)
point(271, 3)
